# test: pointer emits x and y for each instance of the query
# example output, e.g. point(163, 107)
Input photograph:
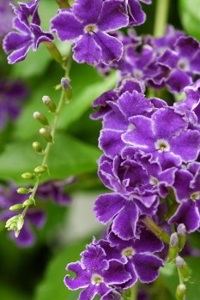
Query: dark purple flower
point(27, 35)
point(95, 274)
point(55, 190)
point(136, 14)
point(88, 24)
point(12, 96)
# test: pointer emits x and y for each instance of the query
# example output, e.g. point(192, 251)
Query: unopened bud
point(49, 103)
point(181, 230)
point(29, 202)
point(180, 292)
point(46, 134)
point(183, 268)
point(40, 169)
point(66, 85)
point(20, 223)
point(37, 147)
point(173, 247)
point(40, 117)
point(16, 207)
point(28, 175)
point(23, 191)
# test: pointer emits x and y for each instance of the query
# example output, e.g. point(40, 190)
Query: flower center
point(90, 28)
point(195, 196)
point(153, 181)
point(162, 145)
point(128, 252)
point(97, 279)
point(183, 65)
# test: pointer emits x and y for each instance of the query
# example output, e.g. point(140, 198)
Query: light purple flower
point(88, 24)
point(27, 35)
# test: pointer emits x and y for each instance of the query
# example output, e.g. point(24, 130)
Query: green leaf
point(52, 287)
point(35, 64)
point(170, 276)
point(8, 293)
point(68, 157)
point(190, 16)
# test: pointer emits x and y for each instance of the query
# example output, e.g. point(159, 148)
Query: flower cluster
point(170, 61)
point(150, 164)
point(51, 190)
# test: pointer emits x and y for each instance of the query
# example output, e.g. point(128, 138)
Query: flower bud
point(16, 207)
point(181, 230)
point(20, 223)
point(23, 191)
point(180, 292)
point(37, 147)
point(46, 134)
point(28, 175)
point(173, 247)
point(29, 202)
point(40, 117)
point(66, 85)
point(40, 169)
point(49, 103)
point(183, 268)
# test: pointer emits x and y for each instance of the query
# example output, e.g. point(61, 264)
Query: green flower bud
point(183, 268)
point(180, 292)
point(173, 247)
point(29, 202)
point(46, 134)
point(28, 175)
point(181, 230)
point(40, 169)
point(40, 117)
point(37, 147)
point(16, 207)
point(23, 191)
point(20, 223)
point(49, 103)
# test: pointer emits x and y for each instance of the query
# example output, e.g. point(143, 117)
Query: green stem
point(53, 131)
point(134, 292)
point(63, 3)
point(162, 8)
point(154, 228)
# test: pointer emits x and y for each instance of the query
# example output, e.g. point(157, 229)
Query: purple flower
point(165, 141)
point(136, 14)
point(6, 17)
point(95, 274)
point(28, 34)
point(88, 24)
point(55, 190)
point(187, 191)
point(183, 63)
point(137, 255)
point(12, 96)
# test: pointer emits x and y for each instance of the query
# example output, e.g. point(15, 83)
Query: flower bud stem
point(162, 9)
point(154, 228)
point(63, 3)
